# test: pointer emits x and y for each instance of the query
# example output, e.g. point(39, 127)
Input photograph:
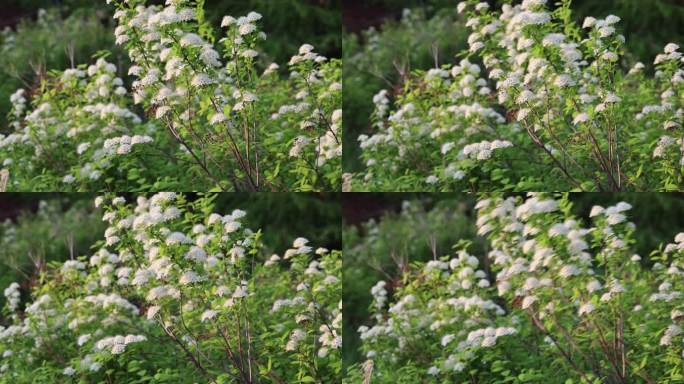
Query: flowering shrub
point(549, 109)
point(49, 149)
point(177, 294)
point(378, 57)
point(552, 301)
point(43, 41)
point(211, 109)
point(56, 230)
point(380, 248)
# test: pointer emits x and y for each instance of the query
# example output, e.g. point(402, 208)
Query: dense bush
point(552, 301)
point(228, 126)
point(175, 293)
point(78, 131)
point(558, 123)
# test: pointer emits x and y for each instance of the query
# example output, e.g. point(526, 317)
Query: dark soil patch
point(357, 15)
point(11, 15)
point(12, 205)
point(357, 208)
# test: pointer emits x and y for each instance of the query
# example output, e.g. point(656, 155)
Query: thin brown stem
point(563, 353)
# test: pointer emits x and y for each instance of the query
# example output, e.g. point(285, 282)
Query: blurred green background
point(37, 228)
point(375, 59)
point(383, 233)
point(78, 29)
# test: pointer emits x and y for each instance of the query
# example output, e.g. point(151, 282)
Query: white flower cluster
point(486, 337)
point(379, 295)
point(18, 100)
point(13, 296)
point(117, 344)
point(483, 150)
point(603, 27)
point(124, 144)
point(381, 101)
point(295, 337)
point(614, 215)
point(671, 54)
point(82, 112)
point(672, 331)
point(665, 142)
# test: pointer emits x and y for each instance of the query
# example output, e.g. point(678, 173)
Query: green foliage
point(655, 214)
point(294, 21)
point(648, 27)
